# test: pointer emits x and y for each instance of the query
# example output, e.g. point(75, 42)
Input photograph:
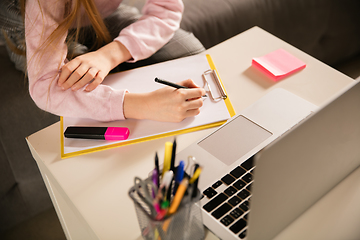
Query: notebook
point(280, 156)
point(215, 111)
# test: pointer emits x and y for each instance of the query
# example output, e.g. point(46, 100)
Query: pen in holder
point(185, 223)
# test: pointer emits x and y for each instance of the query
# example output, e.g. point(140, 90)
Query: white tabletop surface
point(95, 186)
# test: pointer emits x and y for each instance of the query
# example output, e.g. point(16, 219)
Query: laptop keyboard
point(231, 206)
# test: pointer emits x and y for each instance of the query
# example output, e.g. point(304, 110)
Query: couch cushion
point(326, 29)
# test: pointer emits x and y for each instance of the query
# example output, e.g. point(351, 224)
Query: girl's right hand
point(166, 104)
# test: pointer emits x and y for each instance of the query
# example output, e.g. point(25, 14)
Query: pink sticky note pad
point(278, 64)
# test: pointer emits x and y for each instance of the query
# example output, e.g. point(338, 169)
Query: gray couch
point(326, 29)
point(329, 30)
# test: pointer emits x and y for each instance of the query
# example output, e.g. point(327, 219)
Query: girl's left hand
point(91, 68)
point(86, 68)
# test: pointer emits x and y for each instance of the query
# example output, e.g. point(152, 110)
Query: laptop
point(268, 164)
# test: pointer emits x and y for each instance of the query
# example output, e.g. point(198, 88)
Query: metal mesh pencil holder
point(185, 224)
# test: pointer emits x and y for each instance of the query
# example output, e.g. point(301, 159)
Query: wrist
point(134, 105)
point(116, 52)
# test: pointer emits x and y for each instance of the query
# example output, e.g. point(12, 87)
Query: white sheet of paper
point(142, 80)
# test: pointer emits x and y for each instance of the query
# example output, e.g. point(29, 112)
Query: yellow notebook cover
point(215, 111)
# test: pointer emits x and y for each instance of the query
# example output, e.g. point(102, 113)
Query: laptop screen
point(298, 169)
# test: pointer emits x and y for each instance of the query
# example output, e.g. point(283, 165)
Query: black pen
point(173, 154)
point(157, 169)
point(158, 80)
point(171, 84)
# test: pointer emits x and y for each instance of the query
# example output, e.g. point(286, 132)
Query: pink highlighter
point(104, 133)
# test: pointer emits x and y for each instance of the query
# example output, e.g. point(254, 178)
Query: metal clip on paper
point(214, 75)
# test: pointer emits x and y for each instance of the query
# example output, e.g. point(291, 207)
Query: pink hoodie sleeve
point(104, 103)
point(160, 19)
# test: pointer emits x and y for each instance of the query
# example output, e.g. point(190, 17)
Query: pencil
point(172, 168)
point(178, 196)
point(167, 157)
point(195, 185)
point(195, 175)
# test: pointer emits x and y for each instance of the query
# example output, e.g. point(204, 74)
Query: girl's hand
point(166, 104)
point(86, 68)
point(91, 68)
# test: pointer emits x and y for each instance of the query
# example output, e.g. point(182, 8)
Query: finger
point(99, 78)
point(192, 113)
point(67, 70)
point(193, 93)
point(186, 114)
point(88, 77)
point(194, 104)
point(188, 83)
point(75, 76)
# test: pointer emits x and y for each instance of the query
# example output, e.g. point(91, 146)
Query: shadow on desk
point(44, 226)
point(258, 77)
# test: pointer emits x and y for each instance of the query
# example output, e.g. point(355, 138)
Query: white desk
point(90, 192)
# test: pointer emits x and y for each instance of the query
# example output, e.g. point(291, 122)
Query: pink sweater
point(143, 38)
